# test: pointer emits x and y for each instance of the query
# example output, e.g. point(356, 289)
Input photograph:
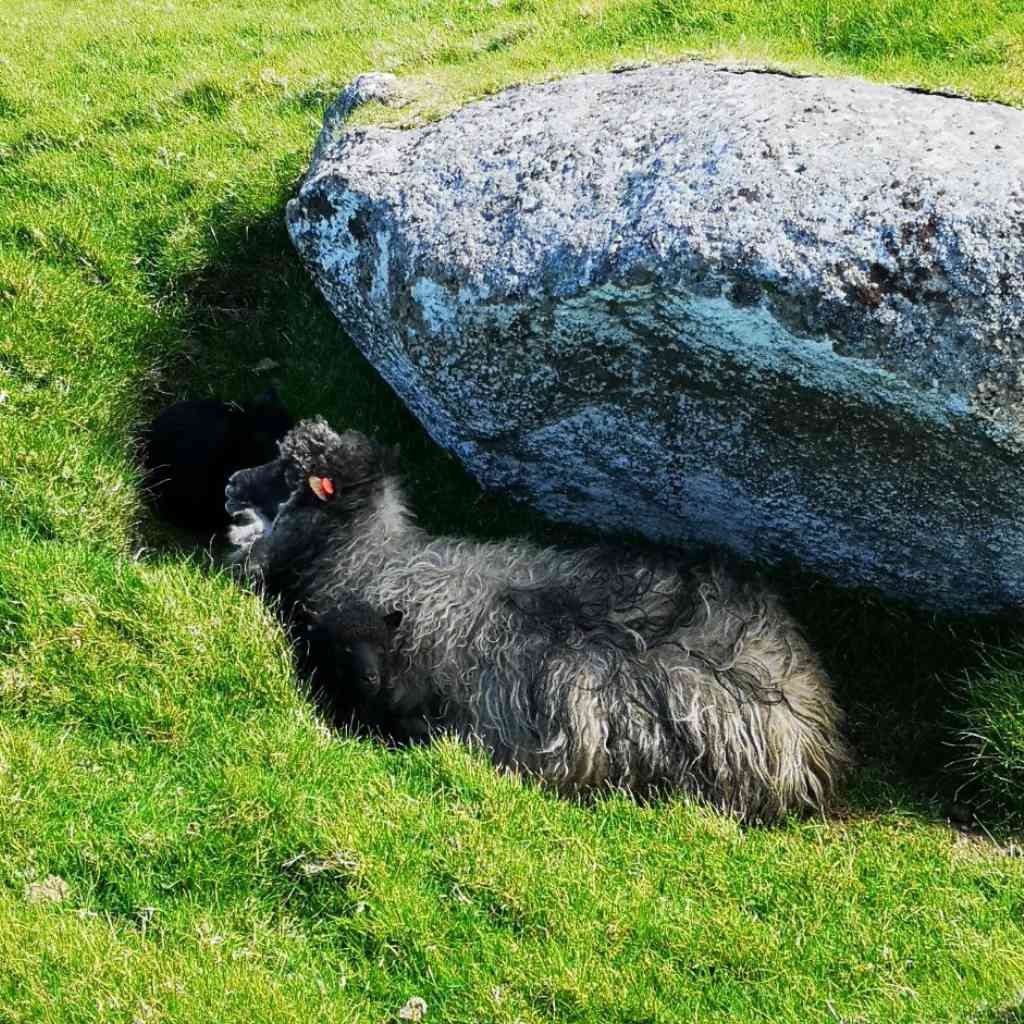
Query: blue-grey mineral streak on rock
point(783, 315)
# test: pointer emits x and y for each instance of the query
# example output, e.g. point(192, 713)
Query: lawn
point(180, 839)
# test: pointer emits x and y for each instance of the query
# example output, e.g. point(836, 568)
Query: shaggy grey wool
point(588, 668)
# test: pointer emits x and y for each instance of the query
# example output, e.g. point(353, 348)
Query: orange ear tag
point(322, 487)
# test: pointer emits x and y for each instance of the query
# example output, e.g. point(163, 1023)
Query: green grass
point(224, 857)
point(991, 738)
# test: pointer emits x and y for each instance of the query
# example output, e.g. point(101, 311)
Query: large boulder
point(778, 314)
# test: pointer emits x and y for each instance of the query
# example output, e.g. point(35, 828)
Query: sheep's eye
point(346, 650)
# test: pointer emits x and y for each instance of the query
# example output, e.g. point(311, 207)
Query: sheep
point(345, 650)
point(192, 447)
point(588, 668)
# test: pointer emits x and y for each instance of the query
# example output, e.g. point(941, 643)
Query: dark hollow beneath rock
point(192, 447)
point(778, 314)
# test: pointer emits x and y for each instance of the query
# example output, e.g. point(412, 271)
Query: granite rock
point(714, 305)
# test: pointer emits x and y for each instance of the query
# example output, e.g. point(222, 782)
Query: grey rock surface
point(778, 314)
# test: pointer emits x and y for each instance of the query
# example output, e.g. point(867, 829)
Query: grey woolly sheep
point(586, 668)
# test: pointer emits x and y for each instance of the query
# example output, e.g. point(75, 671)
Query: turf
point(990, 742)
point(217, 854)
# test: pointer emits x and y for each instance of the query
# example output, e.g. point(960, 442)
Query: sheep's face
point(317, 469)
point(351, 647)
point(255, 497)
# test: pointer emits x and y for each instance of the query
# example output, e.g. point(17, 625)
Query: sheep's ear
point(322, 487)
point(393, 619)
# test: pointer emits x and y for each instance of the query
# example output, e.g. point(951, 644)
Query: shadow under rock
point(898, 673)
point(253, 317)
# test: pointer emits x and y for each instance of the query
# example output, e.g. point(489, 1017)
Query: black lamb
point(346, 651)
point(193, 447)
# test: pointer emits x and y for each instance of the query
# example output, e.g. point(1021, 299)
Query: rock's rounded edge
point(370, 87)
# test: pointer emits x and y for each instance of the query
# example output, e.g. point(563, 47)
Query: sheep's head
point(317, 469)
point(350, 647)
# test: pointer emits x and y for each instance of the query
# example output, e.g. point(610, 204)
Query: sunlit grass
point(224, 858)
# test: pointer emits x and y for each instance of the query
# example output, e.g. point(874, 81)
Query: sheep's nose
point(233, 501)
point(234, 487)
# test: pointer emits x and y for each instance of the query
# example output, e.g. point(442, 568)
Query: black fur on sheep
point(345, 651)
point(193, 447)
